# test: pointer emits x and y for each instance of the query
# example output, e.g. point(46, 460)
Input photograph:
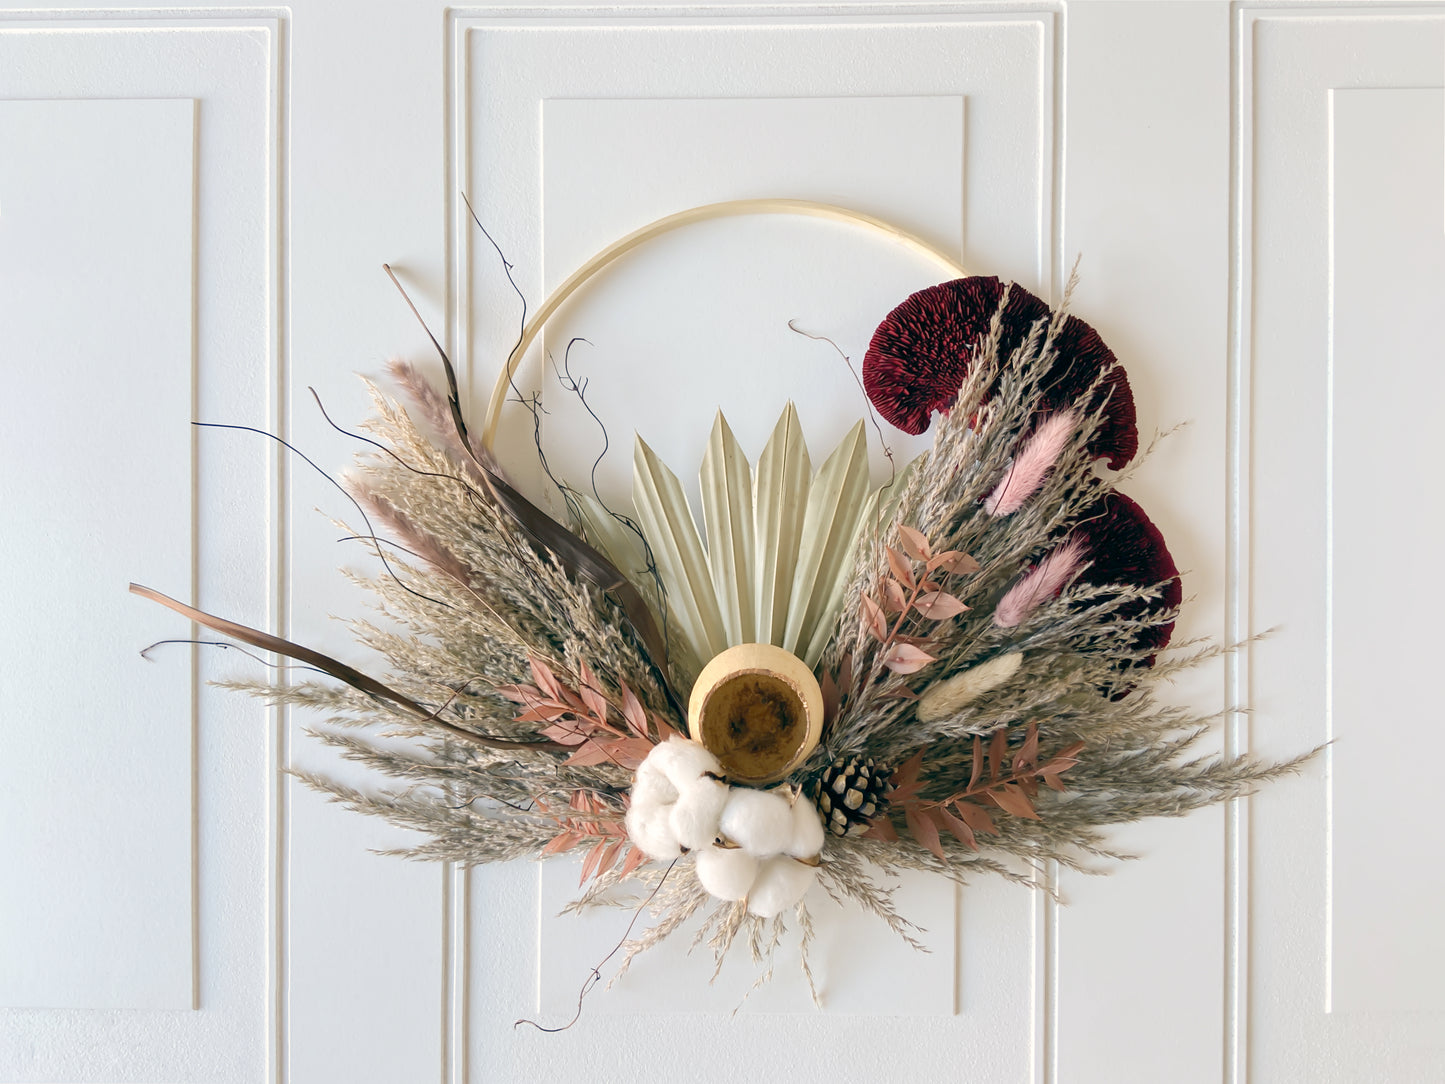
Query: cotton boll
point(696, 813)
point(807, 838)
point(682, 761)
point(650, 787)
point(649, 827)
point(727, 873)
point(758, 821)
point(781, 882)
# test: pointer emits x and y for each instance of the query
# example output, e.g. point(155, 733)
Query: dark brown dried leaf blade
point(976, 769)
point(1011, 799)
point(1028, 755)
point(976, 817)
point(997, 752)
point(961, 831)
point(923, 829)
point(339, 670)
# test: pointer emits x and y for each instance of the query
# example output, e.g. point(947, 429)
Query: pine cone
point(849, 794)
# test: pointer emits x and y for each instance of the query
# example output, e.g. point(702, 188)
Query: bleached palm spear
point(778, 548)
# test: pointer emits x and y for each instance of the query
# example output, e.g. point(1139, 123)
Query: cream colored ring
point(727, 209)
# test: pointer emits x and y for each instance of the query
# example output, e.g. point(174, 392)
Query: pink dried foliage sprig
point(906, 590)
point(580, 718)
point(589, 819)
point(1031, 464)
point(1041, 583)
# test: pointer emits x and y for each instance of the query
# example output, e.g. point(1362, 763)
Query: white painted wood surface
point(203, 1016)
point(1256, 191)
point(119, 933)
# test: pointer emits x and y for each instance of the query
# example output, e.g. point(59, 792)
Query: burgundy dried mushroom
point(921, 353)
point(1123, 546)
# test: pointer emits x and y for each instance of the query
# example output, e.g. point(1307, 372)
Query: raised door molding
point(99, 473)
point(1338, 272)
point(168, 202)
point(943, 121)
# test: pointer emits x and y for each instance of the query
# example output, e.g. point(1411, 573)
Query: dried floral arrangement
point(954, 672)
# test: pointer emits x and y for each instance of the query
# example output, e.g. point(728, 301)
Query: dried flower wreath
point(954, 672)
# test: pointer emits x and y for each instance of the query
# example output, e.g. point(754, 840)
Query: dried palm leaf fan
point(954, 672)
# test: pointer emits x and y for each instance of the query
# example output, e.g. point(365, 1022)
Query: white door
point(194, 210)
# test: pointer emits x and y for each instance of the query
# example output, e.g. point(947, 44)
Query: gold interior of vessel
point(754, 722)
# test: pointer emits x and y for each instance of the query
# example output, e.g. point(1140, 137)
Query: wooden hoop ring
point(727, 209)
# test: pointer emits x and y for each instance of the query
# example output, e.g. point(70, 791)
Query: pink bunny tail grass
point(1041, 583)
point(438, 414)
point(1036, 456)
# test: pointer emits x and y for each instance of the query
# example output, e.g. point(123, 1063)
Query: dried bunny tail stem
point(945, 698)
point(1039, 584)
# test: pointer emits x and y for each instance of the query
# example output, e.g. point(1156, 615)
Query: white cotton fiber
point(696, 812)
point(726, 873)
point(682, 761)
point(649, 827)
point(807, 839)
point(650, 787)
point(781, 882)
point(758, 821)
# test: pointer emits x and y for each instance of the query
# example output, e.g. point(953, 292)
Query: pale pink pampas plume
point(1035, 457)
point(419, 542)
point(438, 414)
point(1045, 580)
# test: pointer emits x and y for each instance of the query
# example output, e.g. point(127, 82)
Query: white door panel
point(1339, 269)
point(1388, 261)
point(107, 742)
point(1146, 210)
point(1256, 193)
point(138, 229)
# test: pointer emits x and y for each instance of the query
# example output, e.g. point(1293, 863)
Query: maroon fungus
point(922, 351)
point(1124, 547)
